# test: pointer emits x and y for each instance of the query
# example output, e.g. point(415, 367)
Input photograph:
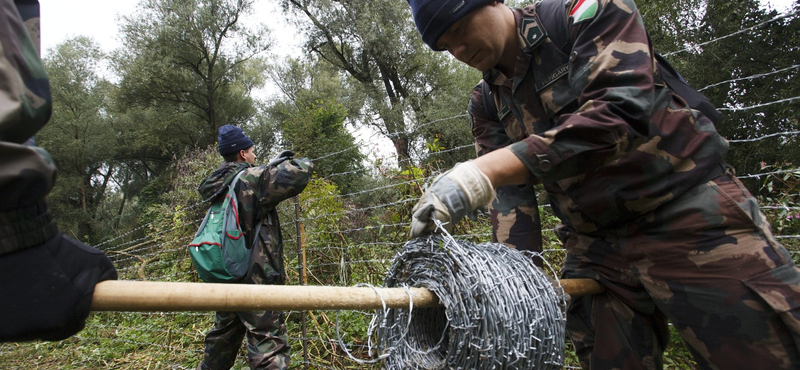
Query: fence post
point(301, 255)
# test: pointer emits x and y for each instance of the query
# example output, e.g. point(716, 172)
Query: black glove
point(286, 154)
point(47, 290)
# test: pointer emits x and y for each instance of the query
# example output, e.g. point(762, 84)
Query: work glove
point(286, 154)
point(452, 195)
point(47, 290)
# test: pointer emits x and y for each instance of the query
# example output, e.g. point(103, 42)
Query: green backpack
point(219, 251)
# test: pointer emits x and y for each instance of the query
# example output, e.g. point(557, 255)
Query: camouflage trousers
point(708, 263)
point(267, 347)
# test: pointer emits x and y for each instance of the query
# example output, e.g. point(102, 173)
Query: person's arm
point(503, 167)
point(491, 138)
point(281, 180)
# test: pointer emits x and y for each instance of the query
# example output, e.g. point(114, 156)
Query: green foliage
point(401, 79)
point(195, 62)
point(316, 131)
point(723, 67)
point(783, 197)
point(78, 136)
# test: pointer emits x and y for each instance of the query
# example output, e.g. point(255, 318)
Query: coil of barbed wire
point(499, 311)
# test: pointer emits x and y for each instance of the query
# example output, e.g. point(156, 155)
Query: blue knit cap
point(434, 17)
point(232, 139)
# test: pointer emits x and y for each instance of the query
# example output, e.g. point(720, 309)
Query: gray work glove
point(452, 195)
point(286, 154)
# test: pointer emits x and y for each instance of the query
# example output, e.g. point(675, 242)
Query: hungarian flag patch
point(583, 10)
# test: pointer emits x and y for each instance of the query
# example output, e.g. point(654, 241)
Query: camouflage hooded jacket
point(608, 140)
point(259, 190)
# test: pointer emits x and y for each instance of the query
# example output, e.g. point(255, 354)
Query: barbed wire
point(696, 46)
point(500, 309)
point(759, 175)
point(785, 133)
point(761, 105)
point(752, 77)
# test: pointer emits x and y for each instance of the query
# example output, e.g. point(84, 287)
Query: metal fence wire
point(499, 310)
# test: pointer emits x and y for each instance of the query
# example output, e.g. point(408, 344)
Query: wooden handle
point(127, 295)
point(579, 287)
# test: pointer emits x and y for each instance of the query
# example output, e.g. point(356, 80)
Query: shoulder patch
point(583, 10)
point(531, 32)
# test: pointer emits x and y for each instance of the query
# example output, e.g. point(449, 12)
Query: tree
point(749, 75)
point(312, 120)
point(194, 63)
point(79, 136)
point(405, 85)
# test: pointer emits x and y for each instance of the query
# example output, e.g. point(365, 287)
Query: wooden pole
point(581, 287)
point(127, 295)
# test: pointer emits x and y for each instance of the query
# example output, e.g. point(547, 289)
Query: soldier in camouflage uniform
point(647, 204)
point(47, 278)
point(259, 190)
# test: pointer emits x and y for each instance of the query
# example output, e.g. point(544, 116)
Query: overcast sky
point(64, 19)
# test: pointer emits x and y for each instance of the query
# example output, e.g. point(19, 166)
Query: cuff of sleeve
point(535, 157)
point(23, 228)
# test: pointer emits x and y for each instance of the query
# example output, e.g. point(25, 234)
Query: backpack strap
point(257, 229)
point(489, 103)
point(232, 186)
point(552, 17)
point(255, 236)
point(680, 87)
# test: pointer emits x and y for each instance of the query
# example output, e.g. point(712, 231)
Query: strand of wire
point(752, 77)
point(392, 134)
point(193, 206)
point(696, 46)
point(759, 175)
point(739, 109)
point(785, 133)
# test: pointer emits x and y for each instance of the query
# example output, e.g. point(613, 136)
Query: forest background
point(133, 132)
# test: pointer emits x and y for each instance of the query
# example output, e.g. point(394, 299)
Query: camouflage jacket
point(27, 173)
point(606, 138)
point(259, 190)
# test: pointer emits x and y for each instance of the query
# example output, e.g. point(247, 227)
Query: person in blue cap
point(259, 190)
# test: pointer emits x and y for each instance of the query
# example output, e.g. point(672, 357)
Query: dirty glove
point(452, 195)
point(286, 154)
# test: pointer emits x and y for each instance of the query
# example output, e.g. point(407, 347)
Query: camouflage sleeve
point(25, 101)
point(611, 69)
point(514, 211)
point(277, 183)
point(27, 173)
